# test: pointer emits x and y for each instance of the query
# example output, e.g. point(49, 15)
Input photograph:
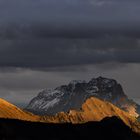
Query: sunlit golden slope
point(92, 110)
point(8, 110)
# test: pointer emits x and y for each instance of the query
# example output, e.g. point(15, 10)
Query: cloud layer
point(48, 33)
point(64, 52)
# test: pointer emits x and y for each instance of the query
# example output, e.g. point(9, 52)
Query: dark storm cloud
point(68, 18)
point(48, 33)
point(64, 52)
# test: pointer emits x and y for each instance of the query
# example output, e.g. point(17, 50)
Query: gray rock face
point(73, 95)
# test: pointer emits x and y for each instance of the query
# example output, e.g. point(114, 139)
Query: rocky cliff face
point(73, 95)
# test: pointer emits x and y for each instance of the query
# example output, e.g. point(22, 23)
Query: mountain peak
point(73, 95)
point(103, 81)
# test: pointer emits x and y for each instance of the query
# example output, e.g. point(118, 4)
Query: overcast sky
point(46, 43)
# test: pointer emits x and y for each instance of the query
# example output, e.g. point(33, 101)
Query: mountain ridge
point(92, 110)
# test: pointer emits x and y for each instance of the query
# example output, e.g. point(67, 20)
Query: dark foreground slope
point(107, 129)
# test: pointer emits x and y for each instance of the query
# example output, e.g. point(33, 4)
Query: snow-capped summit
point(73, 95)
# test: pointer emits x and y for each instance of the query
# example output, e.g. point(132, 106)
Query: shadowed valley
point(107, 129)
